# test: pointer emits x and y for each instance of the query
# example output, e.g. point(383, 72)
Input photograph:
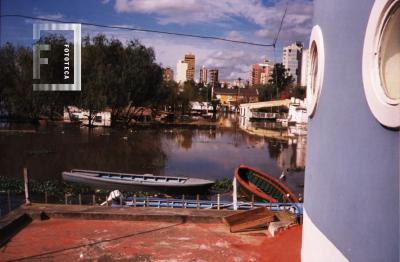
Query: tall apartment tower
point(168, 74)
point(181, 71)
point(260, 73)
point(203, 75)
point(291, 60)
point(190, 60)
point(213, 77)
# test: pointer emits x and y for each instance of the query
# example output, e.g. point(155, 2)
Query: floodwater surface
point(209, 152)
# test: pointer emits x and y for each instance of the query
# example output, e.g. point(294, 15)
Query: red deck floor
point(84, 240)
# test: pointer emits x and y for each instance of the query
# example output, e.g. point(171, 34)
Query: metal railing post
point(26, 187)
point(8, 200)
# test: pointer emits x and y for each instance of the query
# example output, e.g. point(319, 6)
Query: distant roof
point(233, 92)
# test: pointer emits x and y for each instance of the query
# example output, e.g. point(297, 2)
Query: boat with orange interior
point(263, 186)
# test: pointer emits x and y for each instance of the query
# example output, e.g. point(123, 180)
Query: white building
point(203, 75)
point(292, 56)
point(73, 113)
point(297, 111)
point(181, 69)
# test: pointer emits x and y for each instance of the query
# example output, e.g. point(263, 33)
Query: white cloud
point(235, 35)
point(266, 18)
point(56, 16)
point(209, 11)
point(232, 60)
point(235, 62)
point(297, 24)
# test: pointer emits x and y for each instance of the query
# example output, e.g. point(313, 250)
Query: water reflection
point(210, 152)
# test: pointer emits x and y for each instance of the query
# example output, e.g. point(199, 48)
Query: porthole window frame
point(385, 109)
point(315, 81)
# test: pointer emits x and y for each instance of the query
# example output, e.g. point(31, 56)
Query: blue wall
point(352, 174)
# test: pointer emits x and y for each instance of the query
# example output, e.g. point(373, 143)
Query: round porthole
point(315, 69)
point(381, 62)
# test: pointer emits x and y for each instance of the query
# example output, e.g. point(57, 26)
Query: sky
point(249, 20)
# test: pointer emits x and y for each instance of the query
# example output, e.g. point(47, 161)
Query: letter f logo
point(37, 60)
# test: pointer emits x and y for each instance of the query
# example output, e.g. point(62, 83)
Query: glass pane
point(390, 55)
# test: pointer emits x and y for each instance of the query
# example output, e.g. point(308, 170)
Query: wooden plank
point(249, 219)
point(243, 214)
point(262, 221)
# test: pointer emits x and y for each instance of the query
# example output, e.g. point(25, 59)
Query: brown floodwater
point(207, 152)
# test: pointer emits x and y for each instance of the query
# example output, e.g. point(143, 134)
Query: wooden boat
point(263, 186)
point(137, 182)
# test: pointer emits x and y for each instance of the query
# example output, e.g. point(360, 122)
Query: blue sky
point(249, 20)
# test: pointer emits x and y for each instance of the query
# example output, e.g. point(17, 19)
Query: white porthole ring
point(385, 109)
point(315, 78)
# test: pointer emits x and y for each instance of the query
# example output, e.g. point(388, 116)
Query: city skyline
point(258, 22)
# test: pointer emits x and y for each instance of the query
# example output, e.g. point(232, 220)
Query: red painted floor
point(87, 240)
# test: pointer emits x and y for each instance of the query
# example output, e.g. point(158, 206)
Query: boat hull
point(93, 180)
point(263, 186)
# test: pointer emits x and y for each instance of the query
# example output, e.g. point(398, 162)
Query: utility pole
point(237, 95)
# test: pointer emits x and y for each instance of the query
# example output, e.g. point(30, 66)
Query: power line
point(281, 24)
point(141, 30)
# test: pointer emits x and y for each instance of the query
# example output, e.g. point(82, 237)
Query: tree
point(92, 96)
point(17, 91)
point(186, 95)
point(167, 95)
point(8, 77)
point(298, 92)
point(141, 77)
point(124, 78)
point(280, 80)
point(115, 90)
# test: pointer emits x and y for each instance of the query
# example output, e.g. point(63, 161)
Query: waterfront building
point(292, 57)
point(190, 60)
point(213, 77)
point(260, 73)
point(203, 75)
point(231, 98)
point(101, 118)
point(168, 74)
point(181, 69)
point(351, 202)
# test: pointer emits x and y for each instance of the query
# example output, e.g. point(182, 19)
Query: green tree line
point(122, 78)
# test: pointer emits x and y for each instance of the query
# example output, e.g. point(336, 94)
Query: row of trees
point(120, 77)
point(123, 78)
